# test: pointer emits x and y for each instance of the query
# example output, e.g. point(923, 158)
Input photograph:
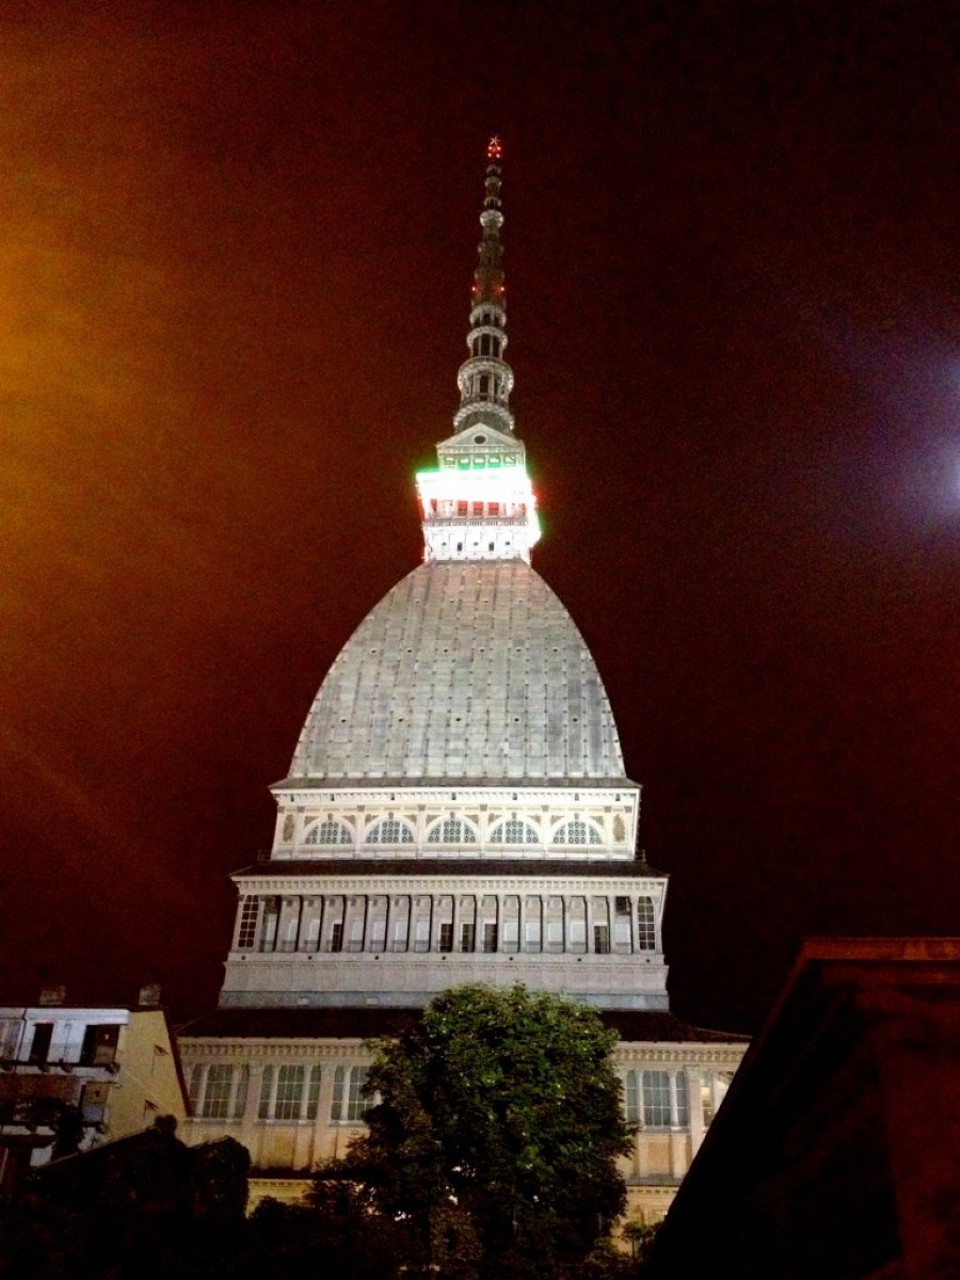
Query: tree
point(338, 1225)
point(496, 1132)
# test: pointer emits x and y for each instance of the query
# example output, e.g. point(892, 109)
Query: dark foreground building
point(836, 1155)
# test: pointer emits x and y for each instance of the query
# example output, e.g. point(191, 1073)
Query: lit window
point(647, 1099)
point(289, 1092)
point(219, 1091)
point(683, 1107)
point(348, 1103)
point(576, 831)
point(513, 831)
point(390, 831)
point(313, 1093)
point(713, 1089)
point(646, 927)
point(452, 831)
point(329, 832)
point(249, 918)
point(656, 1099)
point(631, 1098)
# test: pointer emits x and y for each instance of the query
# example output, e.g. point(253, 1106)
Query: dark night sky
point(235, 252)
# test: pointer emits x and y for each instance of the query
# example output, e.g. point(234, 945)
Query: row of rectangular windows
point(334, 923)
point(98, 1048)
point(287, 1092)
point(661, 1099)
point(477, 510)
point(654, 1099)
point(480, 460)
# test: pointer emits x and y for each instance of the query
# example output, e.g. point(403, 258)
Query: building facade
point(457, 810)
point(112, 1071)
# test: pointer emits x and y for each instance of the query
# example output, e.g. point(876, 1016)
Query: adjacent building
point(457, 810)
point(74, 1077)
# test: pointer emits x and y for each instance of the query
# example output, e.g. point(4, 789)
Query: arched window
point(452, 831)
point(576, 831)
point(390, 831)
point(329, 831)
point(514, 831)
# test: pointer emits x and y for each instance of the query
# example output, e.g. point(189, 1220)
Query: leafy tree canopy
point(496, 1132)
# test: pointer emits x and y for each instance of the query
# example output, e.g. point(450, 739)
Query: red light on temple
point(494, 149)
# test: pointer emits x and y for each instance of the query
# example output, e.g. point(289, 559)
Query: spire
point(479, 504)
point(485, 379)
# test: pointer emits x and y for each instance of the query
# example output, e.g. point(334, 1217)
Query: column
point(321, 1136)
point(697, 1125)
point(248, 1123)
point(456, 922)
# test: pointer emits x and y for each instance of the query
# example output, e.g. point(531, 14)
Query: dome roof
point(468, 671)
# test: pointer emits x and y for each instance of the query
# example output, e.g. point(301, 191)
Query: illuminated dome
point(468, 671)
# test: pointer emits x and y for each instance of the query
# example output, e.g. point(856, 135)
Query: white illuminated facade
point(456, 810)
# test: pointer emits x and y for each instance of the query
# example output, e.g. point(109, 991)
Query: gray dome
point(466, 671)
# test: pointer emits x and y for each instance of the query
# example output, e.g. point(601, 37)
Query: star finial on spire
point(494, 148)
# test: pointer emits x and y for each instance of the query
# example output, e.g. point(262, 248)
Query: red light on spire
point(494, 149)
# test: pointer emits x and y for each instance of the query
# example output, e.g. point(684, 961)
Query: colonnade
point(576, 924)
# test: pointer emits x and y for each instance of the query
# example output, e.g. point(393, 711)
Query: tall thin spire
point(485, 379)
point(479, 504)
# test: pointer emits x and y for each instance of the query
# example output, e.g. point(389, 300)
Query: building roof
point(647, 1026)
point(467, 671)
